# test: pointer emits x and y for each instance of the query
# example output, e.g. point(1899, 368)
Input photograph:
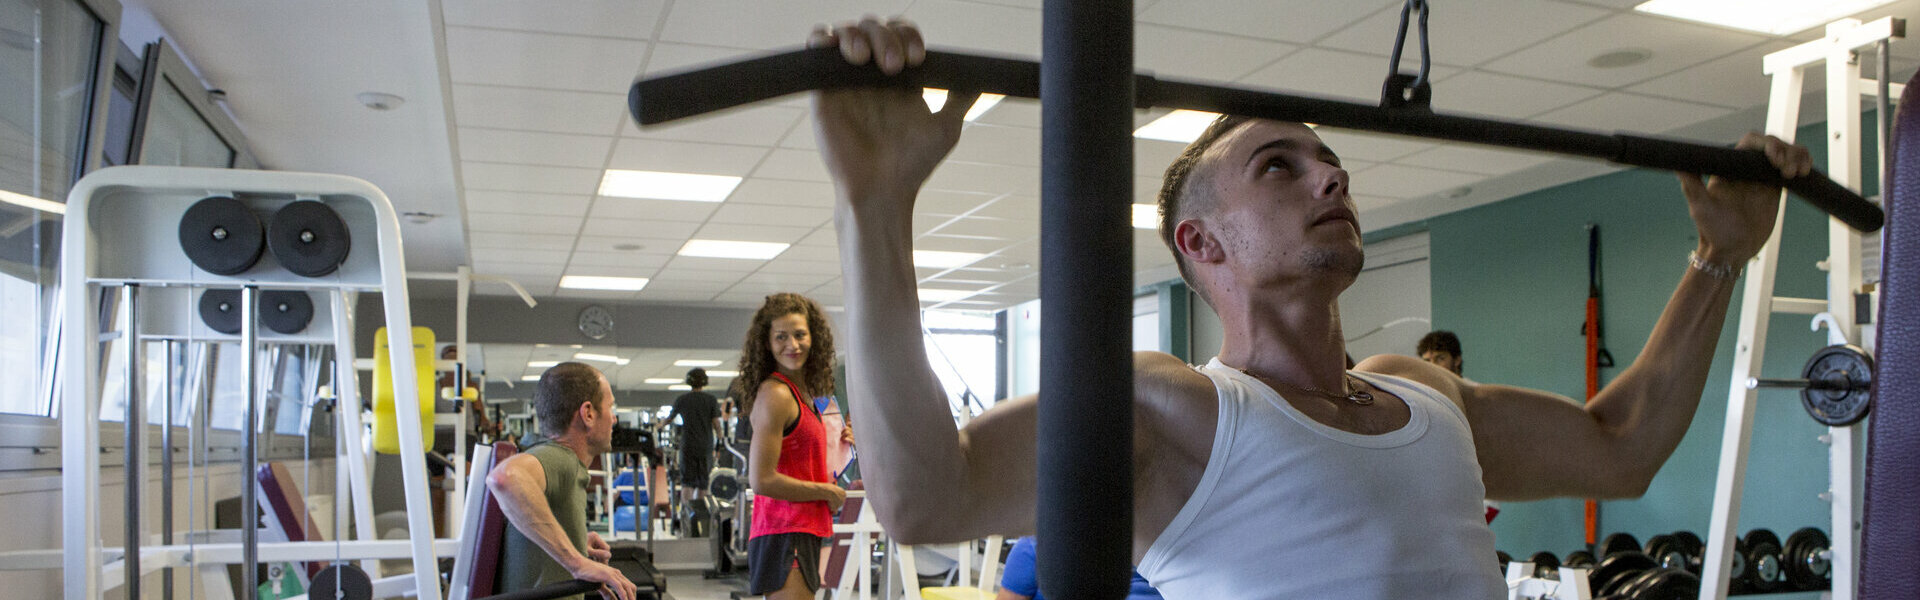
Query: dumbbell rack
point(120, 233)
point(1839, 50)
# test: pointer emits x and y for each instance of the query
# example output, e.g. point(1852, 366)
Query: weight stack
point(1890, 542)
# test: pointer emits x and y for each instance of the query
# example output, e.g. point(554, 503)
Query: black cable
point(1400, 41)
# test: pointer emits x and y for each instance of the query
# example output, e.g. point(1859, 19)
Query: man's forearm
point(1650, 405)
point(914, 465)
point(527, 510)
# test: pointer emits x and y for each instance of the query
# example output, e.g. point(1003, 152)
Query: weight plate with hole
point(221, 235)
point(1847, 396)
point(341, 582)
point(220, 310)
point(286, 311)
point(308, 238)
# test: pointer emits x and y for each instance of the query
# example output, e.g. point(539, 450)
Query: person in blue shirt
point(1021, 582)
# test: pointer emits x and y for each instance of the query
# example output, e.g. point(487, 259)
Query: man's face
point(1282, 207)
point(1446, 360)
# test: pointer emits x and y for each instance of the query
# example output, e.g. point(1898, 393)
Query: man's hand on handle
point(875, 141)
point(1735, 218)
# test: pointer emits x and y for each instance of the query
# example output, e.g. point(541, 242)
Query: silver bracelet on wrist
point(1713, 269)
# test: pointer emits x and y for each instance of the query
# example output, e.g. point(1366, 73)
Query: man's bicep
point(1534, 444)
point(999, 447)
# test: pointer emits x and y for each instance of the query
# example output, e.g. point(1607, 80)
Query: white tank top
point(1291, 508)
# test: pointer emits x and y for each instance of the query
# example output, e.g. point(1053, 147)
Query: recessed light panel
point(937, 98)
point(594, 282)
point(656, 185)
point(941, 259)
point(732, 249)
point(1146, 216)
point(1776, 17)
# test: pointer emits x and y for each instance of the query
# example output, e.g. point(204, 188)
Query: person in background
point(699, 414)
point(1441, 347)
point(786, 361)
point(1021, 581)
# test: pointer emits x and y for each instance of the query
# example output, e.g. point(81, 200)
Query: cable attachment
point(1403, 91)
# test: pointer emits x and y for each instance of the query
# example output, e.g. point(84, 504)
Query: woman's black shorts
point(770, 556)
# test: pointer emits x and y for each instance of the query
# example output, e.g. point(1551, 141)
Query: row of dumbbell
point(1669, 565)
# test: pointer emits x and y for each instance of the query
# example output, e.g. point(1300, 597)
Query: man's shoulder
point(1162, 380)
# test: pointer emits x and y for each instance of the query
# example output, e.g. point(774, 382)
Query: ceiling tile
point(526, 203)
point(537, 257)
point(797, 165)
point(1330, 74)
point(1400, 181)
point(652, 210)
point(529, 178)
point(1187, 55)
point(807, 267)
point(823, 237)
point(1262, 19)
point(670, 58)
point(605, 18)
point(1013, 112)
point(664, 284)
point(1366, 146)
point(924, 222)
point(801, 136)
point(520, 223)
point(685, 157)
point(752, 233)
point(1370, 203)
point(1674, 45)
point(701, 279)
point(538, 110)
point(516, 269)
point(529, 241)
point(756, 126)
point(946, 202)
point(772, 25)
point(1006, 30)
point(768, 283)
point(783, 192)
point(692, 264)
point(640, 231)
point(976, 177)
point(651, 294)
point(1005, 229)
point(1010, 207)
point(770, 214)
point(604, 256)
point(812, 253)
point(1631, 112)
point(594, 294)
point(998, 145)
point(542, 60)
point(1146, 190)
point(534, 148)
point(1466, 33)
point(1152, 157)
point(961, 244)
point(1505, 97)
point(625, 270)
point(1475, 159)
point(1735, 81)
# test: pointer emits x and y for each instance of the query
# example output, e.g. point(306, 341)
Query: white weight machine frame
point(1839, 49)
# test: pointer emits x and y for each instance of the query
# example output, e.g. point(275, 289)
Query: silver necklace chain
point(1359, 396)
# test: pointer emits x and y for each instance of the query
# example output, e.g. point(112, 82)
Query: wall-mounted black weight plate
point(1801, 559)
point(286, 311)
point(220, 310)
point(1763, 561)
point(221, 235)
point(1618, 542)
point(1848, 395)
point(308, 238)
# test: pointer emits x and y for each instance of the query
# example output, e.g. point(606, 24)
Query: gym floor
point(689, 585)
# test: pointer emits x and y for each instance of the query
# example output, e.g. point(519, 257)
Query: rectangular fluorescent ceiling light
point(679, 387)
point(1146, 216)
point(601, 358)
point(941, 259)
point(1776, 17)
point(732, 249)
point(596, 282)
point(711, 374)
point(940, 295)
point(1182, 126)
point(529, 377)
point(688, 362)
point(937, 98)
point(543, 364)
point(661, 380)
point(655, 185)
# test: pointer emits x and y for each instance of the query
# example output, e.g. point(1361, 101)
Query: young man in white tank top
point(1274, 448)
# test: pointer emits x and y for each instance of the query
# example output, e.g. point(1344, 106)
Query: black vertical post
point(1086, 387)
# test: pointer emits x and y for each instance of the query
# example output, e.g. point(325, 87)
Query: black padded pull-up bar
point(670, 97)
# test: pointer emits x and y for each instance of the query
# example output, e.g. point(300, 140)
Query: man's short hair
point(1176, 189)
point(1441, 340)
point(561, 391)
point(697, 378)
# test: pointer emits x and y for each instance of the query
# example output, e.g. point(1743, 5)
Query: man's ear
point(1194, 242)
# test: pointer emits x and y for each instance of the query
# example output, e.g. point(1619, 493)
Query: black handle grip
point(680, 95)
point(550, 591)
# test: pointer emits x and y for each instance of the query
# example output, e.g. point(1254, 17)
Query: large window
point(49, 70)
point(962, 348)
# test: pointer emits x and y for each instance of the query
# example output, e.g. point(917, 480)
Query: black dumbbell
point(1545, 565)
point(1763, 573)
point(1693, 548)
point(1805, 560)
point(1618, 542)
point(1616, 569)
point(1580, 559)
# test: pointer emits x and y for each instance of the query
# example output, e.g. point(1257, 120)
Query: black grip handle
point(550, 591)
point(689, 93)
point(1751, 165)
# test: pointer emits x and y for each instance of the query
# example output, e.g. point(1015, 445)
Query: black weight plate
point(1545, 565)
point(221, 235)
point(341, 582)
point(308, 238)
point(1579, 559)
point(1618, 542)
point(1763, 563)
point(1615, 568)
point(1665, 550)
point(1801, 560)
point(286, 311)
point(1693, 547)
point(1841, 364)
point(1631, 585)
point(1668, 584)
point(220, 310)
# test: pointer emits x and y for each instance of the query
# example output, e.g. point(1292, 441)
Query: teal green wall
point(1511, 279)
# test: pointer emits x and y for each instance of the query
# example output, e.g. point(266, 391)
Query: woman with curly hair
point(786, 361)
